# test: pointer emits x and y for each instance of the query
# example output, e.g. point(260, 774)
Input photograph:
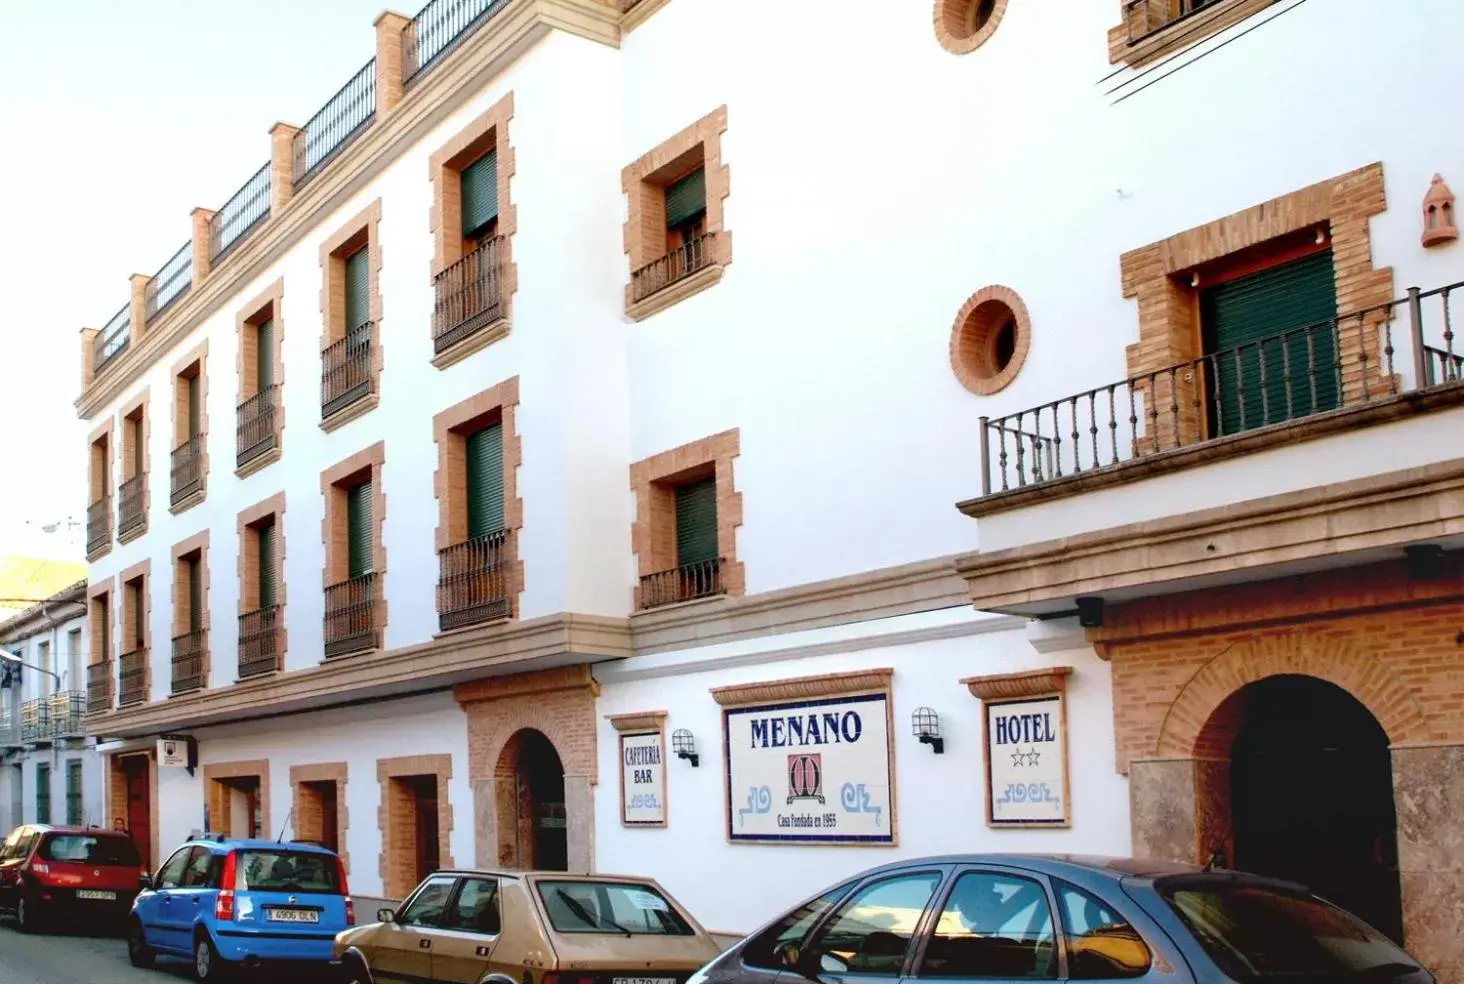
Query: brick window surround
point(398, 826)
point(974, 336)
point(962, 26)
point(361, 230)
point(644, 183)
point(134, 425)
point(249, 519)
point(100, 598)
point(102, 485)
point(216, 783)
point(1156, 30)
point(490, 131)
point(1159, 276)
point(335, 481)
point(195, 363)
point(137, 576)
point(654, 481)
point(450, 428)
point(308, 815)
point(197, 544)
point(268, 305)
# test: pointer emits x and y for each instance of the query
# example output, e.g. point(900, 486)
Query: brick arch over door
point(1193, 728)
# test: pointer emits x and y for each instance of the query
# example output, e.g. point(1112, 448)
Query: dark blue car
point(225, 903)
point(1066, 918)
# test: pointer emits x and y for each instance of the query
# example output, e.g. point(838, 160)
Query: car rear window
point(610, 907)
point(287, 871)
point(98, 849)
point(1259, 933)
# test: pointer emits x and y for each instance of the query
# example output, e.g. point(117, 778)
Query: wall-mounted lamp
point(926, 725)
point(1425, 561)
point(684, 745)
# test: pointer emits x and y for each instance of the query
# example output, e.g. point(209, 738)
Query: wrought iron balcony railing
point(259, 641)
point(438, 28)
point(257, 427)
point(468, 295)
point(170, 282)
point(680, 263)
point(189, 650)
point(345, 115)
point(112, 340)
point(68, 714)
point(132, 678)
point(187, 469)
point(350, 616)
point(244, 210)
point(98, 524)
point(473, 581)
point(1143, 18)
point(701, 579)
point(98, 687)
point(345, 370)
point(35, 720)
point(1346, 362)
point(130, 512)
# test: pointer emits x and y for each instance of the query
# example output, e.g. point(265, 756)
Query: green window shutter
point(479, 183)
point(74, 815)
point(139, 452)
point(104, 613)
point(264, 370)
point(194, 409)
point(358, 289)
point(358, 530)
point(485, 481)
point(267, 565)
point(1244, 313)
point(195, 595)
point(696, 522)
point(686, 198)
point(139, 618)
point(43, 793)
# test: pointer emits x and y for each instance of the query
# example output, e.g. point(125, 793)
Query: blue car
point(225, 904)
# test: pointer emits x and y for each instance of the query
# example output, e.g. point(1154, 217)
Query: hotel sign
point(1024, 730)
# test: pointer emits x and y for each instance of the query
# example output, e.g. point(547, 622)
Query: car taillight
point(346, 891)
point(224, 907)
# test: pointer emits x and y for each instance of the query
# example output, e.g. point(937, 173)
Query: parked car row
point(227, 904)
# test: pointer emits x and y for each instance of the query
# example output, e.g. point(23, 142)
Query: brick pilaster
point(88, 355)
point(391, 36)
point(281, 165)
point(201, 219)
point(139, 283)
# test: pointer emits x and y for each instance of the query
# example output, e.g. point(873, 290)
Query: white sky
point(117, 117)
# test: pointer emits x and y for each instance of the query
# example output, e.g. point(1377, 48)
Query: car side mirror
point(385, 915)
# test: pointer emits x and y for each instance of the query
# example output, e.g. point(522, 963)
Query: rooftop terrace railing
point(344, 116)
point(170, 282)
point(440, 27)
point(244, 210)
point(112, 339)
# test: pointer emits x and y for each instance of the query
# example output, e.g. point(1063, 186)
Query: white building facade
point(52, 772)
point(458, 498)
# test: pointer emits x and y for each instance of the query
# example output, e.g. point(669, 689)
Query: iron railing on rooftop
point(350, 616)
point(473, 581)
point(187, 469)
point(468, 295)
point(98, 687)
point(68, 714)
point(344, 116)
point(170, 282)
point(259, 641)
point(438, 28)
point(132, 678)
point(112, 340)
point(256, 429)
point(701, 579)
point(1346, 362)
point(345, 370)
point(1143, 18)
point(248, 207)
point(188, 653)
point(678, 264)
point(130, 511)
point(98, 524)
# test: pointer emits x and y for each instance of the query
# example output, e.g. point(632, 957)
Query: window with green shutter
point(139, 614)
point(104, 620)
point(359, 532)
point(485, 481)
point(358, 290)
point(266, 535)
point(195, 410)
point(264, 356)
point(74, 814)
point(696, 522)
point(686, 199)
point(139, 450)
point(1259, 377)
point(194, 571)
point(43, 792)
point(479, 182)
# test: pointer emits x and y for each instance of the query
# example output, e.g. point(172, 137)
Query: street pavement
point(64, 958)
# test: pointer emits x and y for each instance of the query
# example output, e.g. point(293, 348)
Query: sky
point(117, 118)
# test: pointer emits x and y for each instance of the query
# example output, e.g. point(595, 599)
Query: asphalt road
point(63, 958)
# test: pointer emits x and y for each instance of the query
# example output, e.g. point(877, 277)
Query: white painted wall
point(432, 724)
point(735, 888)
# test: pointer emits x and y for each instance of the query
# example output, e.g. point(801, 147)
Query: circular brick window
point(990, 339)
point(964, 25)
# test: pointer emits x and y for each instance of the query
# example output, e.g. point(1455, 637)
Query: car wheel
point(353, 971)
point(138, 952)
point(207, 964)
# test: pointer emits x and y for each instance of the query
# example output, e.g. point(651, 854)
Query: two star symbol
point(1020, 758)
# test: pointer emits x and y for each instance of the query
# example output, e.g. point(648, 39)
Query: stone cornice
point(805, 688)
point(641, 722)
point(523, 685)
point(1013, 686)
point(510, 33)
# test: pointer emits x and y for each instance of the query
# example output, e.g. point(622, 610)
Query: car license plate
point(86, 893)
point(292, 915)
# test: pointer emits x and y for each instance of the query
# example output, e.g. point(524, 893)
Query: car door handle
point(425, 944)
point(195, 900)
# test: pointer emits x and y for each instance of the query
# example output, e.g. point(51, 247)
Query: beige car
point(528, 927)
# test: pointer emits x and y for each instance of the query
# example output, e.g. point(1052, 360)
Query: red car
point(86, 874)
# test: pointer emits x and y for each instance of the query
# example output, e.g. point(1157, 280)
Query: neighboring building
point(49, 769)
point(672, 578)
point(24, 581)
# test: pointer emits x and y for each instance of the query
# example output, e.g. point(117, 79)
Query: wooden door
point(139, 807)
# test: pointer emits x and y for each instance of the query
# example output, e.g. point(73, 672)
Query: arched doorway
point(1311, 793)
point(533, 826)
